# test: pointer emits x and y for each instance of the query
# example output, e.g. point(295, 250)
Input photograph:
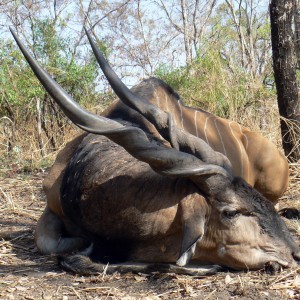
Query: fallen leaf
point(228, 279)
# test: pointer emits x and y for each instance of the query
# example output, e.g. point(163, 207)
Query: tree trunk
point(284, 64)
point(39, 126)
point(187, 39)
point(297, 31)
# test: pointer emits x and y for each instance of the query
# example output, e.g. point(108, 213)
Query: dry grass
point(26, 274)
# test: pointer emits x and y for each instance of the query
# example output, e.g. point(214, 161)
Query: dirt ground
point(26, 274)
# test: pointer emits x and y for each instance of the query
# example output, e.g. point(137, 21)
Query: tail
point(83, 265)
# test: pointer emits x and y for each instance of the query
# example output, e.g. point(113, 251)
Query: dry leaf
point(228, 279)
point(21, 288)
point(296, 282)
point(140, 278)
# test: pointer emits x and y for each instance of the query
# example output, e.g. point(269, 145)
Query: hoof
point(290, 213)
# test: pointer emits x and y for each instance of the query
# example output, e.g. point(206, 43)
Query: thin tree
point(189, 19)
point(282, 15)
point(297, 31)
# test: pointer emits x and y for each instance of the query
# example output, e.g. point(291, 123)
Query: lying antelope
point(151, 201)
point(252, 156)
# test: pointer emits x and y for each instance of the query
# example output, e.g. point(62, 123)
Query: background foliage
point(216, 54)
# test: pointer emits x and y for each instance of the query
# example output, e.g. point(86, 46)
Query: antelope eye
point(230, 214)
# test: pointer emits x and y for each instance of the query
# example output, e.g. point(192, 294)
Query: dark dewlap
point(72, 179)
point(108, 193)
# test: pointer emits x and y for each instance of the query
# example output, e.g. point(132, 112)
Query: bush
point(212, 84)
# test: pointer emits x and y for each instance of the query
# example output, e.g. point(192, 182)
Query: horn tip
point(11, 29)
point(86, 30)
point(14, 34)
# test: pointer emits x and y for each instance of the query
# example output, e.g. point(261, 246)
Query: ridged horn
point(161, 120)
point(80, 117)
point(164, 160)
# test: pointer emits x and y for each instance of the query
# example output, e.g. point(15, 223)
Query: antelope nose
point(296, 255)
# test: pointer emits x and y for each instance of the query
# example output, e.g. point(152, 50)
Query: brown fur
point(52, 183)
point(118, 197)
point(253, 157)
point(196, 211)
point(108, 197)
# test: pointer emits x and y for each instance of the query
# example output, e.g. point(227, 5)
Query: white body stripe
point(246, 147)
point(167, 103)
point(240, 146)
point(195, 122)
point(205, 130)
point(157, 98)
point(247, 142)
point(224, 149)
point(181, 116)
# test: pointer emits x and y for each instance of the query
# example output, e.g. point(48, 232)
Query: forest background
point(216, 54)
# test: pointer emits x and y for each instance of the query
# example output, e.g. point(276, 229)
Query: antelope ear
point(193, 231)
